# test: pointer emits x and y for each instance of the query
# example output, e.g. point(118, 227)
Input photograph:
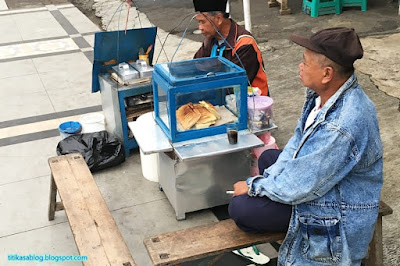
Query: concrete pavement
point(46, 54)
point(46, 58)
point(46, 51)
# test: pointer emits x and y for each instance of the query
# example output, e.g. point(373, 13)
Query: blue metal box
point(213, 79)
point(110, 49)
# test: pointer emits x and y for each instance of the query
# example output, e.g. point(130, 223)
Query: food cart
point(197, 165)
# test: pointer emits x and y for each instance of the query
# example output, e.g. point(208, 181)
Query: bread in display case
point(193, 98)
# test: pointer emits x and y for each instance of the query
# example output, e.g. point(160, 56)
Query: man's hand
point(240, 188)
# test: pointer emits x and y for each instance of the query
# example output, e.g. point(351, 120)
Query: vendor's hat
point(209, 5)
point(341, 45)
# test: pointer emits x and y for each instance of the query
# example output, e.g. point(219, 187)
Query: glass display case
point(196, 98)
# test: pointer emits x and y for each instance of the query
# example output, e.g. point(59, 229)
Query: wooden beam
point(59, 206)
point(52, 200)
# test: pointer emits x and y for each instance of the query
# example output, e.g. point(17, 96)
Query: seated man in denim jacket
point(328, 178)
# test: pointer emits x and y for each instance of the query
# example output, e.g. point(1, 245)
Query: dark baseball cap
point(209, 5)
point(341, 44)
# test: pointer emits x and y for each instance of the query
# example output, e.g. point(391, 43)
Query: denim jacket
point(331, 173)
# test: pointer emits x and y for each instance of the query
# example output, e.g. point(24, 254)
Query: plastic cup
point(232, 133)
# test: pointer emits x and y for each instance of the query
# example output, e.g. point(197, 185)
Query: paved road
point(379, 70)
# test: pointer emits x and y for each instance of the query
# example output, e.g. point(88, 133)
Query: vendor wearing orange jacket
point(217, 28)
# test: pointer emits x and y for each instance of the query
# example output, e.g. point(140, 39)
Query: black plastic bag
point(100, 149)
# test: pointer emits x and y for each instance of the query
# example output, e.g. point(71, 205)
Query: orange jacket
point(245, 47)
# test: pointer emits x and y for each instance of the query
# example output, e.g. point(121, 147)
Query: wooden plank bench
point(375, 249)
point(95, 232)
point(202, 241)
point(199, 242)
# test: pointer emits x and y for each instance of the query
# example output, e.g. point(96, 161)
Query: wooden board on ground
point(94, 229)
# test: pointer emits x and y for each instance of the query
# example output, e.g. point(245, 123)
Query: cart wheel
point(160, 187)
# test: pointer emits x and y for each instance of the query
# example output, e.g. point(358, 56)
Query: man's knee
point(267, 158)
point(259, 214)
point(235, 207)
point(238, 211)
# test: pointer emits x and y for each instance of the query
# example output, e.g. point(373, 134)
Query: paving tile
point(26, 105)
point(21, 85)
point(37, 48)
point(89, 39)
point(38, 25)
point(68, 83)
point(45, 147)
point(17, 68)
point(29, 200)
point(69, 99)
point(79, 20)
point(8, 29)
point(145, 220)
point(3, 5)
point(124, 185)
point(79, 80)
point(26, 160)
point(55, 240)
point(68, 63)
point(20, 168)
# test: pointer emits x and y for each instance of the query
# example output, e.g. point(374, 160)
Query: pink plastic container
point(265, 137)
point(259, 111)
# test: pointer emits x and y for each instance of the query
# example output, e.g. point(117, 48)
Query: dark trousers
point(260, 214)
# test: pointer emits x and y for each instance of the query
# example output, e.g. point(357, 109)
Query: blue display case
point(213, 79)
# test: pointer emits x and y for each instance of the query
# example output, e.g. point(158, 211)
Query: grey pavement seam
point(35, 40)
point(40, 118)
point(29, 137)
point(89, 55)
point(72, 31)
point(64, 22)
point(81, 42)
